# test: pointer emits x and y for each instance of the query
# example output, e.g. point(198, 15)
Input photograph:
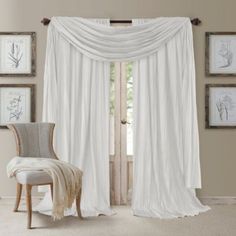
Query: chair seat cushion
point(33, 177)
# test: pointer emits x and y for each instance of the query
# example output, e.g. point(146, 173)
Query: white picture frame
point(221, 106)
point(17, 104)
point(17, 54)
point(220, 54)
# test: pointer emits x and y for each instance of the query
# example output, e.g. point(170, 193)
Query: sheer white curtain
point(166, 145)
point(76, 98)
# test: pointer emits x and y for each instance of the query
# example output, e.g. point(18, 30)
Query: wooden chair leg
point(18, 196)
point(29, 204)
point(51, 188)
point(78, 199)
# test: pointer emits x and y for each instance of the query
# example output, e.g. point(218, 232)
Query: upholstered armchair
point(34, 140)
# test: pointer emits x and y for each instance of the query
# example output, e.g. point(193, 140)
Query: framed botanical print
point(17, 54)
point(220, 54)
point(220, 105)
point(17, 103)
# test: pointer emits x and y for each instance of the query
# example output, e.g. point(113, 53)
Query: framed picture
point(220, 106)
point(220, 54)
point(17, 103)
point(17, 54)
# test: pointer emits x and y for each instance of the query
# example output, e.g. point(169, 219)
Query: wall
point(218, 147)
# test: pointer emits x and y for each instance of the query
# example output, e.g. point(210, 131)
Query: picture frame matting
point(17, 54)
point(220, 106)
point(220, 54)
point(17, 104)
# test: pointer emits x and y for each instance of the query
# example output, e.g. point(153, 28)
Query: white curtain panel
point(166, 142)
point(76, 98)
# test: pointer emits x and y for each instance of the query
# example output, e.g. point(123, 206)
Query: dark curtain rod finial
point(45, 21)
point(194, 21)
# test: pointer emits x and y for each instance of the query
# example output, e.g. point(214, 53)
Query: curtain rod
point(194, 21)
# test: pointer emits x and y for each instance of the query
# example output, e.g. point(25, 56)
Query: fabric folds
point(66, 179)
point(166, 142)
point(76, 98)
point(106, 43)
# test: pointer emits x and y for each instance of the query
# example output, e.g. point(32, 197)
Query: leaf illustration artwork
point(226, 54)
point(15, 55)
point(224, 105)
point(15, 108)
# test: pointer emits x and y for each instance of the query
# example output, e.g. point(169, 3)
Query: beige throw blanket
point(66, 179)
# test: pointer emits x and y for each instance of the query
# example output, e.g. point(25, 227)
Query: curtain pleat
point(76, 98)
point(166, 156)
point(103, 43)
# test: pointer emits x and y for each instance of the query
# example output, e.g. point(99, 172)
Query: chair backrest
point(34, 139)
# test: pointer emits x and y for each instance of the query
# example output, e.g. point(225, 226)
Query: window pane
point(129, 79)
point(112, 110)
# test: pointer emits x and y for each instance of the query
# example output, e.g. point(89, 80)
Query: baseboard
point(214, 200)
point(220, 200)
point(23, 197)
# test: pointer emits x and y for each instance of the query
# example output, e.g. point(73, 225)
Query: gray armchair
point(34, 140)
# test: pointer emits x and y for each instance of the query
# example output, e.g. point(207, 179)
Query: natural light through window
point(112, 109)
point(129, 79)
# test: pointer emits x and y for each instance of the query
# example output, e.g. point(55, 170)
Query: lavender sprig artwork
point(16, 51)
point(15, 55)
point(15, 108)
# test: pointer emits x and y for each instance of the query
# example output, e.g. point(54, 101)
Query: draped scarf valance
point(108, 43)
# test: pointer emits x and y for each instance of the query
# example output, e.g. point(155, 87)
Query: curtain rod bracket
point(194, 21)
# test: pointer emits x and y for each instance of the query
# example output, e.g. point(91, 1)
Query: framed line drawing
point(220, 58)
point(220, 105)
point(17, 103)
point(17, 54)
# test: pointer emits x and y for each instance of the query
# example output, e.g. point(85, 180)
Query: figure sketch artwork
point(223, 106)
point(15, 54)
point(223, 54)
point(14, 105)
